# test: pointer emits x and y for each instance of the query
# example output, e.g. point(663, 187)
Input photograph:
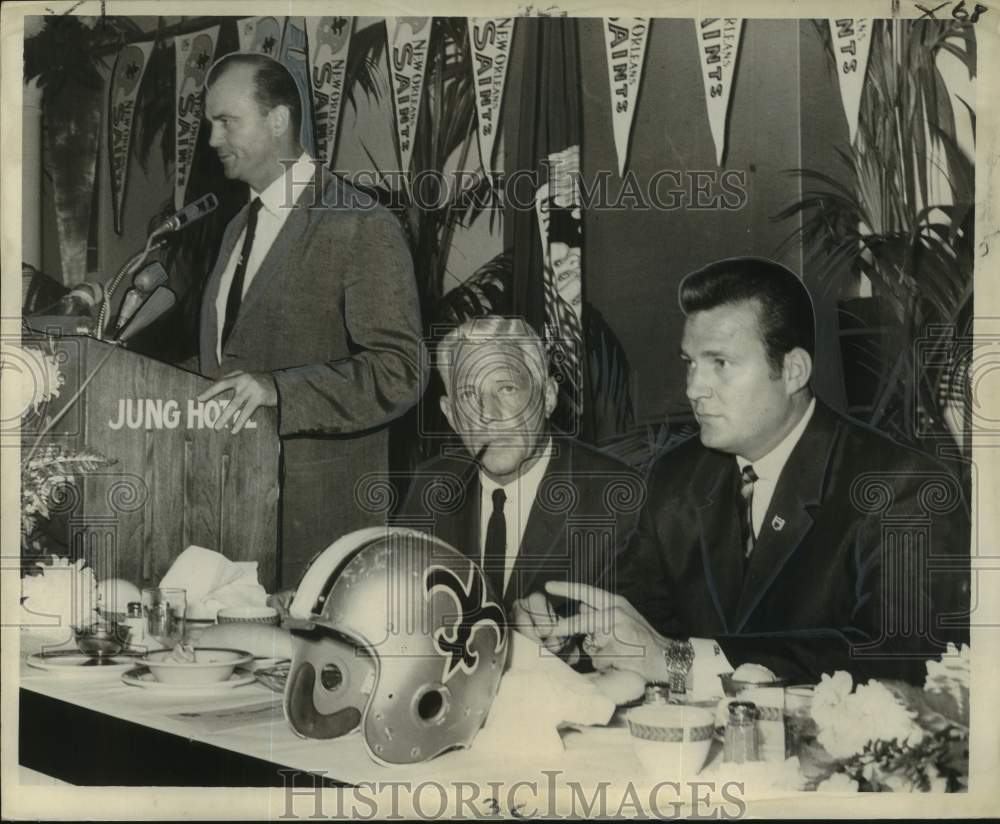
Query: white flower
point(951, 674)
point(848, 721)
point(30, 378)
point(828, 699)
point(838, 783)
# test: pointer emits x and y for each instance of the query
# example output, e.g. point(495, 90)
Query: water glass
point(164, 611)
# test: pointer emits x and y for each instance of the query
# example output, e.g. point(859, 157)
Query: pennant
point(195, 53)
point(490, 39)
point(329, 39)
point(851, 45)
point(560, 227)
point(295, 56)
point(126, 78)
point(625, 47)
point(718, 47)
point(70, 144)
point(408, 41)
point(261, 34)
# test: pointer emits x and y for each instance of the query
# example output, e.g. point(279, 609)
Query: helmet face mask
point(408, 641)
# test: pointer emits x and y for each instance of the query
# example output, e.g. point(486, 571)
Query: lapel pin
point(777, 523)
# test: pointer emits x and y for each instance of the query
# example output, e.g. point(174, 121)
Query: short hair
point(496, 330)
point(785, 315)
point(273, 84)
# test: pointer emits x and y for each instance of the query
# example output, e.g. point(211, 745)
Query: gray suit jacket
point(333, 314)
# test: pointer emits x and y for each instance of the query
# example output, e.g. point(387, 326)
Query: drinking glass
point(163, 610)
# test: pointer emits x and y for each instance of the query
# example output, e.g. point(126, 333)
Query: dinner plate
point(70, 662)
point(142, 677)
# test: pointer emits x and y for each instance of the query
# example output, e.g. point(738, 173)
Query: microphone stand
point(129, 267)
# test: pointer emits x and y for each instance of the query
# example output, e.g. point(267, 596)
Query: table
point(137, 737)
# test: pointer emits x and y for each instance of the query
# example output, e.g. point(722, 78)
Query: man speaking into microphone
point(311, 308)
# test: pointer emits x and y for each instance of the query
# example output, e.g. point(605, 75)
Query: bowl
point(250, 615)
point(210, 666)
point(733, 687)
point(102, 640)
point(670, 740)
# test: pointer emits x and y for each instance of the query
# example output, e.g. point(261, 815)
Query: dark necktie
point(495, 554)
point(747, 479)
point(235, 297)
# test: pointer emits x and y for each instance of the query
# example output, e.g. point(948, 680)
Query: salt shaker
point(136, 624)
point(741, 733)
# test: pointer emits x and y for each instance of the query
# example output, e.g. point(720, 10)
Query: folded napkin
point(213, 582)
point(539, 693)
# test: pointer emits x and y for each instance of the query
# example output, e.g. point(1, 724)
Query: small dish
point(211, 665)
point(142, 677)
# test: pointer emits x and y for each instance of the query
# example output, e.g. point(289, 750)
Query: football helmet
point(401, 634)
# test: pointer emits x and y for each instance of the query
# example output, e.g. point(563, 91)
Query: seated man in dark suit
point(785, 535)
point(532, 505)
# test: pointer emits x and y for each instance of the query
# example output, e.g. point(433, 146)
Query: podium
point(176, 481)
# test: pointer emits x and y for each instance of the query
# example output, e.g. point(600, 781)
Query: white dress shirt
point(709, 659)
point(521, 494)
point(270, 219)
point(768, 469)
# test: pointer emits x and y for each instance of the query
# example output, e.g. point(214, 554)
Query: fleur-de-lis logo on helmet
point(475, 613)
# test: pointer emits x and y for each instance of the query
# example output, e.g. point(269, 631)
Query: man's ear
point(278, 119)
point(449, 411)
point(551, 396)
point(797, 370)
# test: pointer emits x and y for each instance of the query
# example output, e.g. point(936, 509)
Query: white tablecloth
point(254, 726)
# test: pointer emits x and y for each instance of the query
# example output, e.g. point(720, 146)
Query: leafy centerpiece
point(890, 736)
point(33, 379)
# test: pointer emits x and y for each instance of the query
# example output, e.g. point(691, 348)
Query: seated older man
point(532, 505)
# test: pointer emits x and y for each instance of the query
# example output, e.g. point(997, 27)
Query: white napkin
point(539, 692)
point(213, 582)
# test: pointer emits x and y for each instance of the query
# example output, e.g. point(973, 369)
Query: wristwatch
point(679, 656)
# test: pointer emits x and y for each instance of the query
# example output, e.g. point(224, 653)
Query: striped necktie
point(747, 479)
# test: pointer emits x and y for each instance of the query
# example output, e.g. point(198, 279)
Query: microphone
point(159, 302)
point(79, 301)
point(203, 206)
point(143, 285)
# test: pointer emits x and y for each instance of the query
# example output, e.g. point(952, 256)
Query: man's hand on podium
point(250, 390)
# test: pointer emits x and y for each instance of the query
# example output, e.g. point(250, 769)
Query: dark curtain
point(546, 117)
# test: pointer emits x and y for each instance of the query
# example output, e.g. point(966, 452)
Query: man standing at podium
point(311, 308)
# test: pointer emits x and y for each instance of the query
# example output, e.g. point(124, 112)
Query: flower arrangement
point(42, 474)
point(61, 594)
point(889, 736)
point(45, 469)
